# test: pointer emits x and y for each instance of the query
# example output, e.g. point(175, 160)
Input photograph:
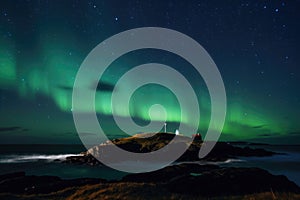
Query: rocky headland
point(222, 151)
point(181, 180)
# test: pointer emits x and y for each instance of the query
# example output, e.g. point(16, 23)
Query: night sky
point(253, 43)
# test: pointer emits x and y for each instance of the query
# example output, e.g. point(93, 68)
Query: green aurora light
point(43, 45)
point(57, 68)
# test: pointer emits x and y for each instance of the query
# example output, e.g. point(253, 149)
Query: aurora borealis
point(253, 43)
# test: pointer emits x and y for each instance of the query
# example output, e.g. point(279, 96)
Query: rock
point(19, 183)
point(144, 143)
point(222, 151)
point(84, 159)
point(211, 180)
point(231, 181)
point(184, 180)
point(11, 176)
point(169, 173)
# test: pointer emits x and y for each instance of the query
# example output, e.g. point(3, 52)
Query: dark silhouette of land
point(141, 144)
point(178, 181)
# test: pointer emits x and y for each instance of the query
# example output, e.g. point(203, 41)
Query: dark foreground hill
point(185, 181)
point(178, 181)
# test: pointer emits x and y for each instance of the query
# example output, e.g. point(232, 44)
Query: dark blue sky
point(253, 43)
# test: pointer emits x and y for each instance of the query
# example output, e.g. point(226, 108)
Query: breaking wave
point(33, 158)
point(211, 162)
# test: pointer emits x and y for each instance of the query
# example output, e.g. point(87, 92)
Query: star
point(116, 18)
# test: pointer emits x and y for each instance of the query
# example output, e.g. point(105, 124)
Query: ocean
point(42, 160)
point(287, 163)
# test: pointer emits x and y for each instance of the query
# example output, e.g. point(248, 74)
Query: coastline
point(212, 177)
point(182, 181)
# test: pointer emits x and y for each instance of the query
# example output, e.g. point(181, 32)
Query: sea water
point(286, 163)
point(43, 160)
point(46, 160)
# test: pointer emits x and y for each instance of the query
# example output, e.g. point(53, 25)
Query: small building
point(197, 137)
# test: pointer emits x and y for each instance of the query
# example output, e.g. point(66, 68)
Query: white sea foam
point(210, 162)
point(32, 158)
